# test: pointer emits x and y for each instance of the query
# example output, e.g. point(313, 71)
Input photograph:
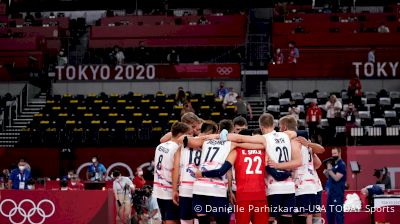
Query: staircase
point(258, 107)
point(11, 134)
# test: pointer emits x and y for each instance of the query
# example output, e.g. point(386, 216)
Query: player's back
point(213, 156)
point(164, 161)
point(189, 162)
point(279, 150)
point(250, 175)
point(304, 175)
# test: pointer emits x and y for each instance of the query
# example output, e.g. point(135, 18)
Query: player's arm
point(230, 160)
point(256, 139)
point(232, 197)
point(196, 142)
point(339, 172)
point(166, 137)
point(292, 164)
point(316, 148)
point(175, 176)
point(316, 161)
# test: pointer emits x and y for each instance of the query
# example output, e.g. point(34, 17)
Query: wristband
point(223, 135)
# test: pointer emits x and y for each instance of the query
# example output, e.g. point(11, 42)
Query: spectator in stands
point(62, 58)
point(173, 57)
point(333, 108)
point(27, 166)
point(294, 110)
point(19, 177)
point(142, 54)
point(354, 91)
point(139, 180)
point(294, 53)
point(278, 57)
point(239, 124)
point(383, 28)
point(96, 171)
point(187, 107)
point(5, 175)
point(383, 177)
point(109, 13)
point(298, 29)
point(350, 117)
point(222, 91)
point(313, 119)
point(119, 55)
point(203, 21)
point(230, 98)
point(75, 183)
point(180, 97)
point(243, 108)
point(371, 55)
point(64, 185)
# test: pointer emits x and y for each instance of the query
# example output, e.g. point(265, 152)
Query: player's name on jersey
point(279, 140)
point(215, 142)
point(251, 152)
point(163, 149)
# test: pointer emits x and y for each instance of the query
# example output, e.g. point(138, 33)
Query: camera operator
point(335, 186)
point(382, 177)
point(153, 215)
point(123, 187)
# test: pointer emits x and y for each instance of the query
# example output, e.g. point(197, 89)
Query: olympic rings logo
point(224, 70)
point(27, 215)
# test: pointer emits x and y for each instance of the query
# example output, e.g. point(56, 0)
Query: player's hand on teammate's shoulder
point(302, 141)
point(272, 164)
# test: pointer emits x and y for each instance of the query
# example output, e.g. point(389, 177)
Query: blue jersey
point(17, 177)
point(336, 188)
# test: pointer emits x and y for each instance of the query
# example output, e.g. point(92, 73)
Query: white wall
point(11, 87)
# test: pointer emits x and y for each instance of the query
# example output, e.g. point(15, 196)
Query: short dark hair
point(179, 128)
point(246, 132)
point(240, 121)
point(209, 126)
point(116, 173)
point(339, 150)
point(63, 183)
point(257, 132)
point(226, 124)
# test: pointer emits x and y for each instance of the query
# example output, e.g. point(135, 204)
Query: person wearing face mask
point(335, 186)
point(139, 180)
point(350, 116)
point(96, 171)
point(74, 183)
point(123, 187)
point(19, 177)
point(222, 91)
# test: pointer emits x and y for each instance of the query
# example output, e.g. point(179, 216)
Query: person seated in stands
point(222, 91)
point(173, 57)
point(203, 21)
point(142, 54)
point(298, 29)
point(350, 117)
point(383, 28)
point(96, 171)
point(278, 57)
point(62, 58)
point(180, 97)
point(294, 53)
point(19, 177)
point(109, 13)
point(52, 16)
point(230, 98)
point(119, 55)
point(75, 184)
point(294, 109)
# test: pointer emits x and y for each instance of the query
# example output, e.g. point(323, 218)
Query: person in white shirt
point(123, 187)
point(153, 215)
point(371, 55)
point(119, 55)
point(383, 28)
point(333, 108)
point(230, 98)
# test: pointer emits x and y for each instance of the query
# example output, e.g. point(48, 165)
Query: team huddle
point(204, 171)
